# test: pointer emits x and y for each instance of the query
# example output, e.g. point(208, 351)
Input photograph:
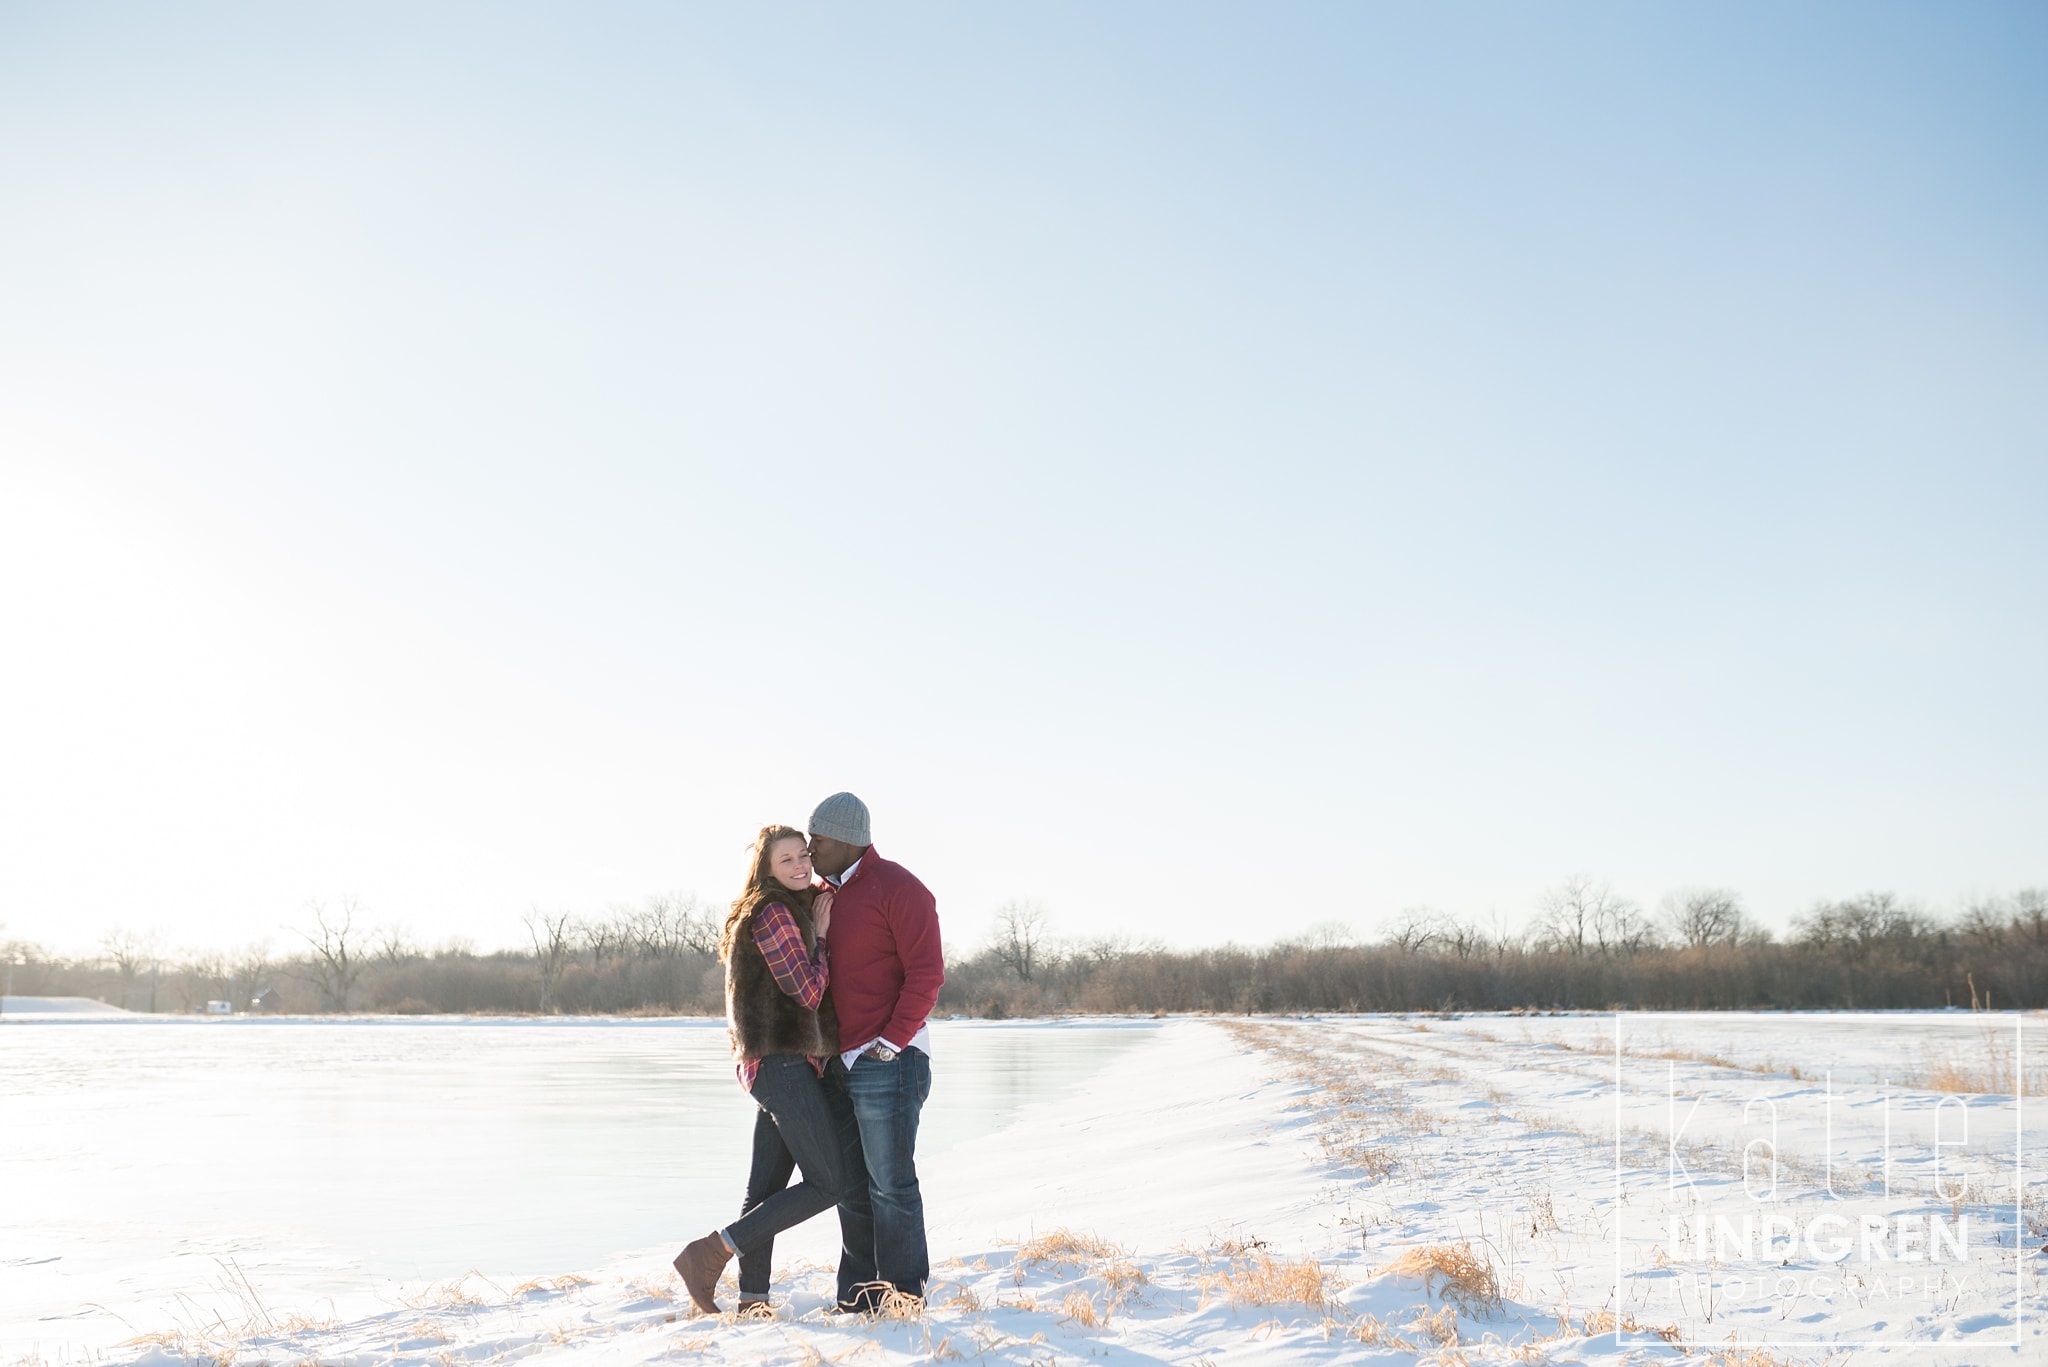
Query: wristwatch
point(879, 1052)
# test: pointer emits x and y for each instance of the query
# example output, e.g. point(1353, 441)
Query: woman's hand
point(821, 912)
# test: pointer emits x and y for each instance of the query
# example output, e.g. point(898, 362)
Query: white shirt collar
point(845, 874)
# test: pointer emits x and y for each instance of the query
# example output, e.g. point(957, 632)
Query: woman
point(782, 1029)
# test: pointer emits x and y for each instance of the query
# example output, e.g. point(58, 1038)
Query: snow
point(1154, 1208)
point(57, 1006)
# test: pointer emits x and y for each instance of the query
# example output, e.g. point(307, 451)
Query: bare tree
point(552, 938)
point(1424, 930)
point(392, 946)
point(702, 924)
point(1501, 935)
point(1415, 930)
point(1462, 938)
point(1102, 950)
point(2000, 921)
point(1622, 927)
point(1579, 916)
point(336, 961)
point(667, 926)
point(130, 956)
point(251, 973)
point(1018, 936)
point(601, 937)
point(1860, 924)
point(1327, 935)
point(1699, 917)
point(207, 972)
point(2030, 914)
point(10, 950)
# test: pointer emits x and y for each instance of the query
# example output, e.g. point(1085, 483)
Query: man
point(886, 973)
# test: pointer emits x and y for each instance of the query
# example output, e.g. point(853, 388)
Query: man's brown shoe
point(699, 1264)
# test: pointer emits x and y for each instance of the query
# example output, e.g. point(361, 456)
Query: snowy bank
point(1361, 1189)
point(58, 1006)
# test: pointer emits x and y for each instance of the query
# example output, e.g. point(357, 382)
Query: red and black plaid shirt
point(803, 974)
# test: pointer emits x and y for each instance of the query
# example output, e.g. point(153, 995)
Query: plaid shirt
point(802, 974)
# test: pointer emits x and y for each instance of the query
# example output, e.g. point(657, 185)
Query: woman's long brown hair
point(762, 886)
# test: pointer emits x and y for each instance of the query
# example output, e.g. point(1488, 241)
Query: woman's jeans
point(796, 1128)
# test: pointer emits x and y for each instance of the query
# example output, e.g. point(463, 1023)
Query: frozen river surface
point(148, 1163)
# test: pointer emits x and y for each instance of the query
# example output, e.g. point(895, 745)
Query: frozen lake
point(148, 1162)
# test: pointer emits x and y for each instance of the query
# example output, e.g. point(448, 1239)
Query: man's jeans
point(884, 1099)
point(797, 1126)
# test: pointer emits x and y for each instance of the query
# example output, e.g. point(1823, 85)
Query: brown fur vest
point(760, 1017)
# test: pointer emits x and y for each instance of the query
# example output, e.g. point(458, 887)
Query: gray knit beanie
point(842, 816)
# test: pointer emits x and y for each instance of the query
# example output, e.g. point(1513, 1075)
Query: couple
point(832, 966)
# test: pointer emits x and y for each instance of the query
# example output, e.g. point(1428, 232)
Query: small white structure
point(220, 1008)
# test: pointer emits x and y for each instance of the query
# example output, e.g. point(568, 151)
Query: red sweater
point(886, 962)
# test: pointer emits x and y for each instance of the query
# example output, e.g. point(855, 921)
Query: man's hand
point(821, 912)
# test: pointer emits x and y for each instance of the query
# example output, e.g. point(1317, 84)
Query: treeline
point(1586, 948)
point(656, 959)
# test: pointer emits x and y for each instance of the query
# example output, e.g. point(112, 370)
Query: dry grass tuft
point(1377, 1161)
point(1606, 1322)
point(1440, 1324)
point(1122, 1276)
point(1376, 1332)
point(898, 1305)
point(453, 1294)
point(1453, 1272)
point(1265, 1280)
point(1066, 1248)
point(2000, 1073)
point(567, 1282)
point(942, 1350)
point(156, 1338)
point(1738, 1356)
point(652, 1290)
point(1066, 1253)
point(1950, 1076)
point(1693, 1056)
point(808, 1356)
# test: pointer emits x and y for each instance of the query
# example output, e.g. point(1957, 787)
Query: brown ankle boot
point(699, 1264)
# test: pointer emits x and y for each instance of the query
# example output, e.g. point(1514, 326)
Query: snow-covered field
point(1741, 1189)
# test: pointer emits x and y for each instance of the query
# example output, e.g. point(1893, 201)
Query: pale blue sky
point(1212, 470)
